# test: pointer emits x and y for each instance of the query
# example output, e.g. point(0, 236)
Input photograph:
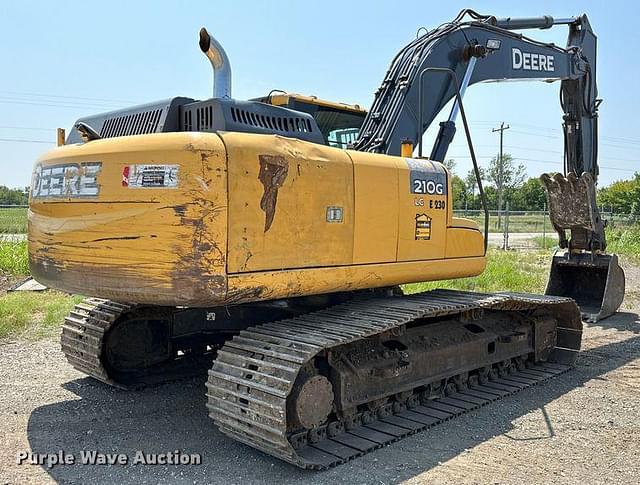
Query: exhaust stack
point(219, 62)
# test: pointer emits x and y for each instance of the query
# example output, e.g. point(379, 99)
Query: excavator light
point(60, 137)
point(406, 148)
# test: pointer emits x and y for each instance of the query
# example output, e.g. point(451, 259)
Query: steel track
point(254, 374)
point(83, 343)
point(83, 334)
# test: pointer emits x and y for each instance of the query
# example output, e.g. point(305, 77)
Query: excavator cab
point(339, 123)
point(581, 270)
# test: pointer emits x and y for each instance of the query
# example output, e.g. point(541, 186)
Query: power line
point(535, 160)
point(536, 134)
point(632, 141)
point(32, 128)
point(557, 152)
point(24, 140)
point(553, 137)
point(620, 147)
point(54, 104)
point(621, 140)
point(21, 93)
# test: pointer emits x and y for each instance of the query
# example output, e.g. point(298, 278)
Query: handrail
point(468, 136)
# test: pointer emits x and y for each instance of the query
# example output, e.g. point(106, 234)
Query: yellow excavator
point(264, 241)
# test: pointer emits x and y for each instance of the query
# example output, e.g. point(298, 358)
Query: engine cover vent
point(158, 117)
point(216, 114)
point(222, 114)
point(132, 124)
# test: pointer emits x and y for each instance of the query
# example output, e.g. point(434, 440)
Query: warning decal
point(150, 176)
point(423, 227)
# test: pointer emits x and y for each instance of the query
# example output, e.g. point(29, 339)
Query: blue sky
point(62, 60)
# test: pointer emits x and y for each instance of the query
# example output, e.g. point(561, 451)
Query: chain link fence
point(536, 221)
point(530, 229)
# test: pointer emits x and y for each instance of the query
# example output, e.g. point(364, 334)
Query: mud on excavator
point(265, 241)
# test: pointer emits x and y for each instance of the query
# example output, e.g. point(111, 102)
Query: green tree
point(491, 195)
point(473, 195)
point(459, 192)
point(13, 196)
point(622, 196)
point(530, 196)
point(450, 165)
point(504, 175)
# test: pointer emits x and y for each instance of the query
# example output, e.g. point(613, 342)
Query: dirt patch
point(9, 281)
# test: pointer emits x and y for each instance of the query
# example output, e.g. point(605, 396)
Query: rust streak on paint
point(246, 295)
point(273, 173)
point(114, 238)
point(201, 260)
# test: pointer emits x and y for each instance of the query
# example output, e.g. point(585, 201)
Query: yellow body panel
point(376, 208)
point(281, 284)
point(247, 217)
point(280, 190)
point(424, 210)
point(149, 245)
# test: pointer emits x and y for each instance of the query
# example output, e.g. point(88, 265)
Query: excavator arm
point(481, 48)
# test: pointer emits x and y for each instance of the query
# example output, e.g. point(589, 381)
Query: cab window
point(339, 128)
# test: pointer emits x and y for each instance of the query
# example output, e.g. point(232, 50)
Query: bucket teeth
point(572, 201)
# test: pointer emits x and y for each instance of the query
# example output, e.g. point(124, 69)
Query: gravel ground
point(8, 281)
point(583, 426)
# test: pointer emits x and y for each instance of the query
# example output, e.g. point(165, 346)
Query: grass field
point(13, 220)
point(625, 241)
point(34, 314)
point(13, 258)
point(517, 223)
point(31, 314)
point(538, 222)
point(550, 241)
point(506, 271)
point(620, 241)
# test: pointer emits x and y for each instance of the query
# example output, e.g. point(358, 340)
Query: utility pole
point(500, 170)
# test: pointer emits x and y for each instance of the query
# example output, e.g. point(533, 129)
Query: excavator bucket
point(594, 281)
point(583, 272)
